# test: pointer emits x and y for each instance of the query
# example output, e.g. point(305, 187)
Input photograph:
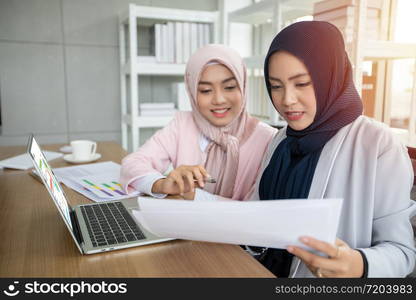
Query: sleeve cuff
point(145, 183)
point(365, 262)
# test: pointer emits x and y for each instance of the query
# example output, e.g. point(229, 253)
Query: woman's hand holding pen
point(182, 180)
point(342, 261)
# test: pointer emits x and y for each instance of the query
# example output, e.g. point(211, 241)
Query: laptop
point(95, 227)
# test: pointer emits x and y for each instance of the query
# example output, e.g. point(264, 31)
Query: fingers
point(338, 264)
point(313, 261)
point(177, 178)
point(197, 174)
point(340, 243)
point(185, 177)
point(189, 178)
point(321, 246)
point(203, 171)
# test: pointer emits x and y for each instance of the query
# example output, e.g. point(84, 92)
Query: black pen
point(208, 180)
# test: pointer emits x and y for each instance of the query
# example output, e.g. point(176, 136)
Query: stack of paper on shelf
point(157, 109)
point(342, 13)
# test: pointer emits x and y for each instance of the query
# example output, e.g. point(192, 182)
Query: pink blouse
point(179, 144)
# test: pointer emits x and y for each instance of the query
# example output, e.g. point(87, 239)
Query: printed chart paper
point(96, 181)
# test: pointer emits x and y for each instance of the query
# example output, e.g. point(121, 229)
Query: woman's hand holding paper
point(342, 261)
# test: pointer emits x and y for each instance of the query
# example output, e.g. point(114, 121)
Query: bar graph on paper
point(98, 181)
point(103, 187)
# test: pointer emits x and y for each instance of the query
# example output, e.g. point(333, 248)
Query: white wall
point(59, 68)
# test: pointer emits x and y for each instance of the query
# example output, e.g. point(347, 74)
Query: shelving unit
point(275, 13)
point(381, 50)
point(132, 66)
point(272, 11)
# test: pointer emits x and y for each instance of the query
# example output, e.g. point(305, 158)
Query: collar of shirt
point(204, 142)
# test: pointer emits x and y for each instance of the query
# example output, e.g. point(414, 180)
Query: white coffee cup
point(83, 149)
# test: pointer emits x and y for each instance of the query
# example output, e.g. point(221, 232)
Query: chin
point(220, 123)
point(297, 127)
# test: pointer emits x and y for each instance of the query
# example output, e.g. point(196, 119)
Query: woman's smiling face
point(219, 97)
point(292, 90)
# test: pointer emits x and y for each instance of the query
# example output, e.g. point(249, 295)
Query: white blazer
point(367, 166)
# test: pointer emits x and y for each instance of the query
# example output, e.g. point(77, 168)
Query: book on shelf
point(349, 36)
point(180, 94)
point(186, 41)
point(328, 5)
point(178, 43)
point(170, 49)
point(194, 37)
point(158, 42)
point(207, 34)
point(165, 56)
point(346, 11)
point(256, 40)
point(200, 35)
point(344, 23)
point(262, 35)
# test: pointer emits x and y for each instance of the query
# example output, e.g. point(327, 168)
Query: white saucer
point(66, 149)
point(69, 158)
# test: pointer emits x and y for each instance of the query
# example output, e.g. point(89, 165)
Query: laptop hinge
point(75, 225)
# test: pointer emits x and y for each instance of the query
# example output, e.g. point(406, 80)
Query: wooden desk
point(36, 243)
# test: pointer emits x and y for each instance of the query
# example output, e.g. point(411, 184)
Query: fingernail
point(304, 239)
point(290, 249)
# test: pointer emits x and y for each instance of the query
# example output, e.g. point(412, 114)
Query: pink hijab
point(223, 151)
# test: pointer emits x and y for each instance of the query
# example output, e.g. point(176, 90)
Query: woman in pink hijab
point(218, 139)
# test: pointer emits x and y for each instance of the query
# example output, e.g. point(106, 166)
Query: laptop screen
point(49, 180)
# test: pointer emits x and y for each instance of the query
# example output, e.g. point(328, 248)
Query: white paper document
point(272, 223)
point(98, 181)
point(23, 161)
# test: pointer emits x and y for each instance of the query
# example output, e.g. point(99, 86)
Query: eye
point(205, 91)
point(303, 84)
point(230, 88)
point(275, 87)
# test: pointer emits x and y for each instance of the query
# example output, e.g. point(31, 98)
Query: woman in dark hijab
point(330, 150)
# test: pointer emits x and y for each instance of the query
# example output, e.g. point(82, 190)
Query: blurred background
point(112, 70)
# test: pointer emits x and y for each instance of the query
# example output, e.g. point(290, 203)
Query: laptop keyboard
point(110, 223)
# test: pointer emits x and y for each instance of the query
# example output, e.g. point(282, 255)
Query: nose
point(289, 97)
point(219, 98)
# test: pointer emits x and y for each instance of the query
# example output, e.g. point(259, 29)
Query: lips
point(294, 115)
point(220, 113)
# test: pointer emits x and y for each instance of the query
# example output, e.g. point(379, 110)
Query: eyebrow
point(224, 81)
point(290, 78)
